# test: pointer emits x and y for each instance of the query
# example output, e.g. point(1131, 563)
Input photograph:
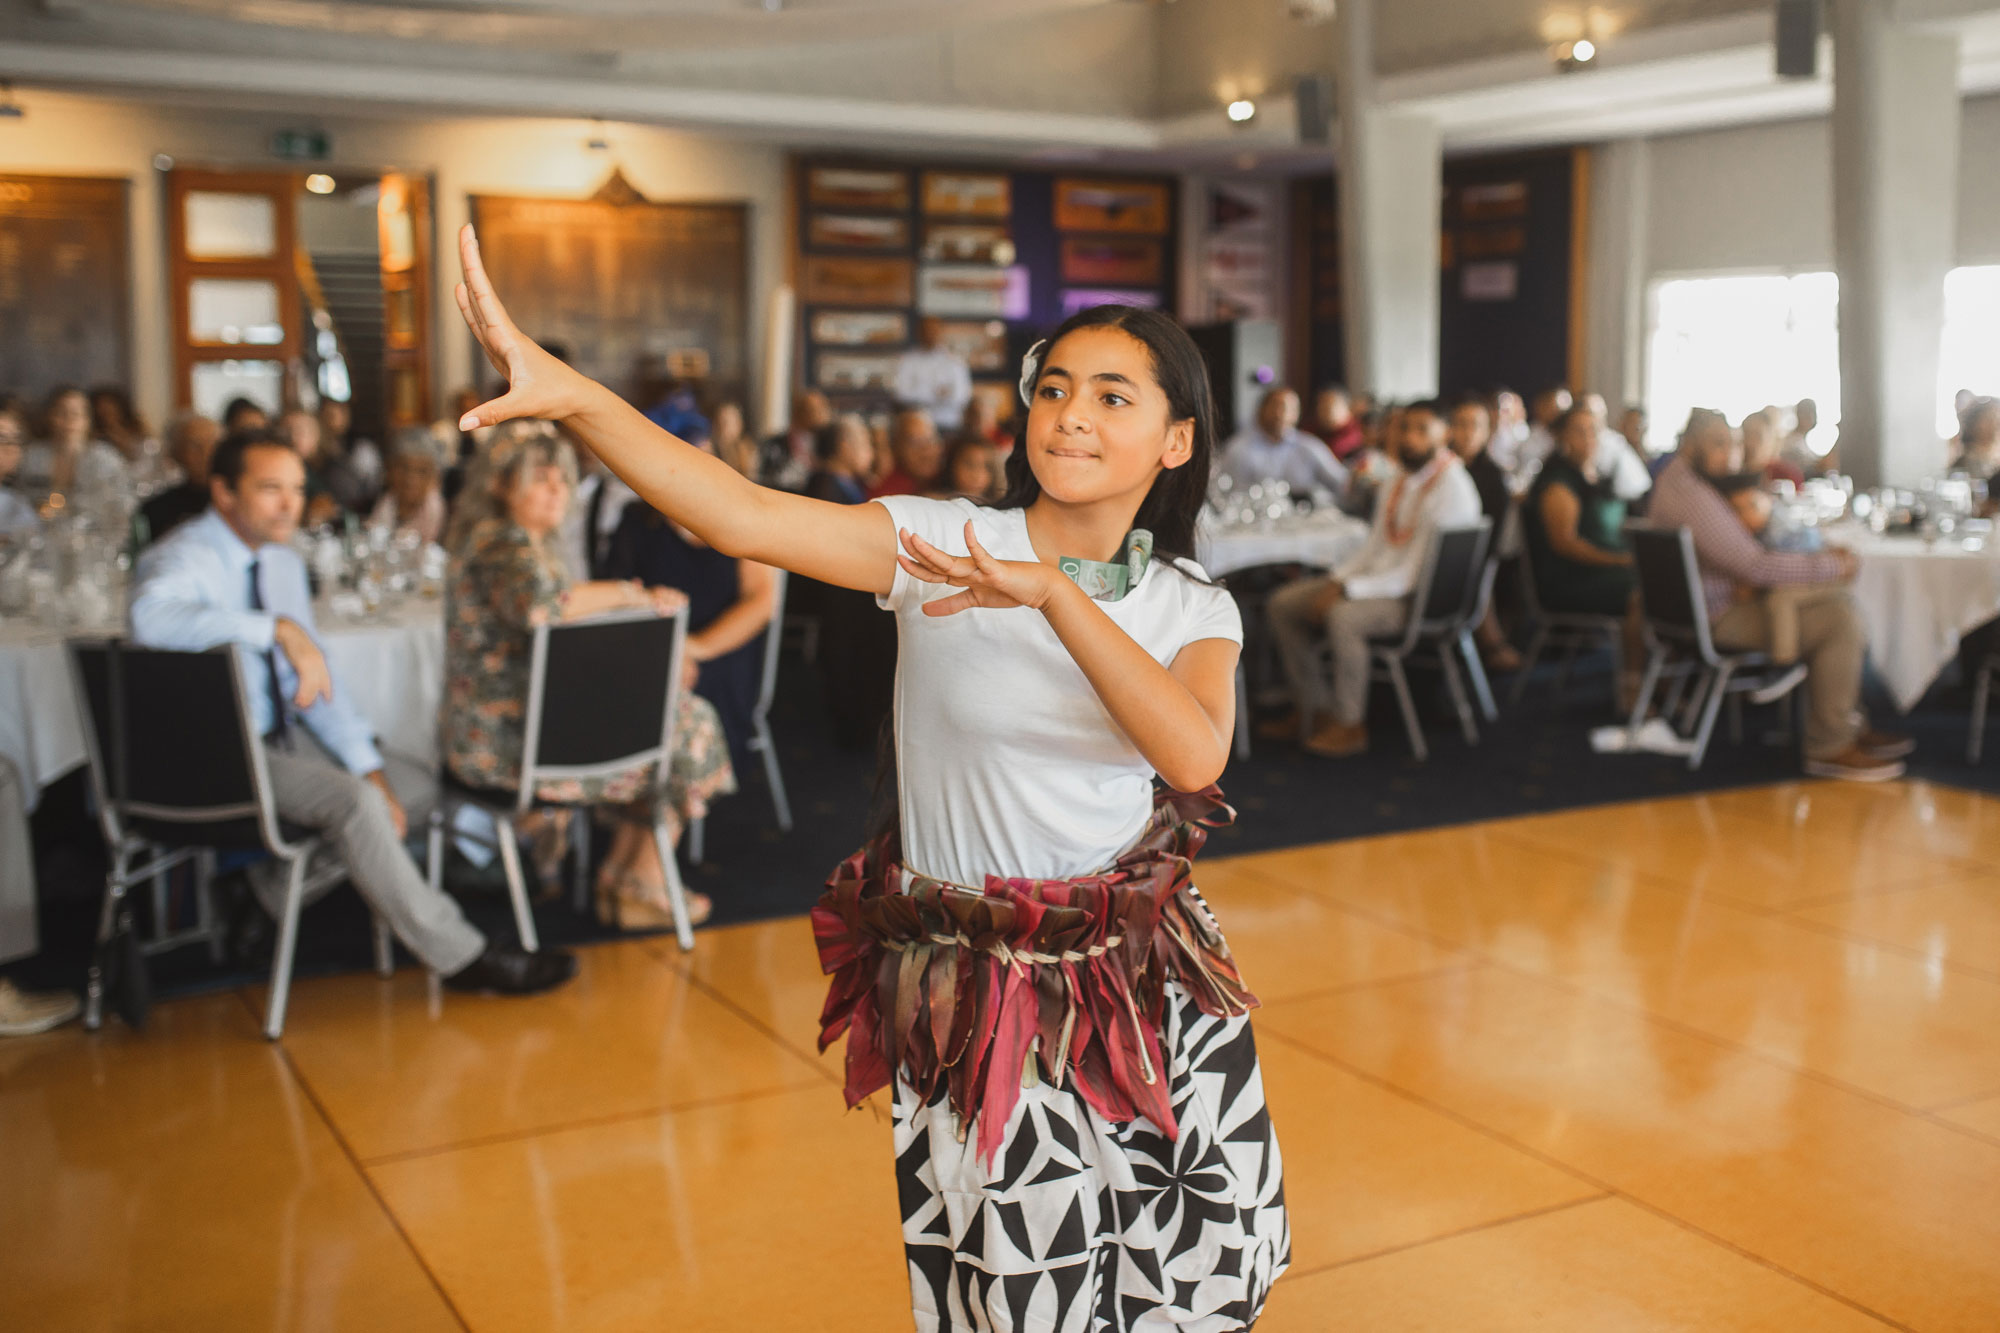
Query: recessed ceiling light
point(1242, 109)
point(320, 183)
point(1585, 50)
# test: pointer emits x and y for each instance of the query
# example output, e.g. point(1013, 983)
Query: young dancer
point(1080, 1132)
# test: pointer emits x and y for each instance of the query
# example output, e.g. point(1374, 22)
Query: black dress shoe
point(506, 971)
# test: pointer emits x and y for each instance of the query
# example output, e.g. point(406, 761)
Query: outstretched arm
point(849, 545)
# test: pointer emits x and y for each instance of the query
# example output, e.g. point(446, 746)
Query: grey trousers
point(1347, 627)
point(312, 790)
point(1830, 641)
point(20, 935)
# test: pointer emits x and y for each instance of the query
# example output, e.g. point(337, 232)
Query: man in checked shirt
point(1839, 743)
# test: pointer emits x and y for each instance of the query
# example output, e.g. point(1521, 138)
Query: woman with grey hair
point(507, 577)
point(413, 499)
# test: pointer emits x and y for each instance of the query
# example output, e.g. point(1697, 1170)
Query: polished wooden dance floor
point(1727, 1062)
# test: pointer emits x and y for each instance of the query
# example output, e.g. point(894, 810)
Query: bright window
point(1740, 344)
point(1971, 351)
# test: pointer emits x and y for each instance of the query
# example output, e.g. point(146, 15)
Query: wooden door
point(404, 218)
point(233, 272)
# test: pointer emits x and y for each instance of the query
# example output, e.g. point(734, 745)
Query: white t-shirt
point(1008, 762)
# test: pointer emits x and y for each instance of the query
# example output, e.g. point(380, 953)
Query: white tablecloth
point(1321, 539)
point(392, 669)
point(1917, 600)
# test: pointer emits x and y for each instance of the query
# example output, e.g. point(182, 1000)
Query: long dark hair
point(1174, 503)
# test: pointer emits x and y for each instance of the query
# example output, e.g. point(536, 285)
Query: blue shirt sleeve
point(341, 729)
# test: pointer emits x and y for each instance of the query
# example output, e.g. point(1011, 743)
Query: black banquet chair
point(1445, 606)
point(603, 694)
point(1679, 646)
point(761, 740)
point(178, 772)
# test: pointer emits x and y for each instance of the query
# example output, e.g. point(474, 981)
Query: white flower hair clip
point(1031, 369)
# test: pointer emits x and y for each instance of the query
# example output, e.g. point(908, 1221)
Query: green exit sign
point(301, 145)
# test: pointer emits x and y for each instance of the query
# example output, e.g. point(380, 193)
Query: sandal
point(635, 908)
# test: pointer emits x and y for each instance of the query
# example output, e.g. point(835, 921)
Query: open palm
point(538, 385)
point(983, 580)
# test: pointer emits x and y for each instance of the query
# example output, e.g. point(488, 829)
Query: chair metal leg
point(1735, 719)
point(676, 891)
point(1459, 702)
point(1570, 654)
point(434, 850)
point(107, 923)
point(1482, 688)
point(288, 943)
point(1982, 689)
point(1649, 682)
point(697, 840)
point(1718, 689)
point(780, 802)
point(517, 885)
point(1401, 682)
point(1528, 660)
point(1242, 710)
point(204, 904)
point(579, 842)
point(385, 948)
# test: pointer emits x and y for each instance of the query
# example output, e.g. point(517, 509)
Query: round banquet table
point(1322, 539)
point(1917, 599)
point(392, 668)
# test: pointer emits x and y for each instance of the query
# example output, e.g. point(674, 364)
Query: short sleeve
point(1211, 612)
point(518, 583)
point(939, 522)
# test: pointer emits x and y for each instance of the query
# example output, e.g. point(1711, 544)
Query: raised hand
point(538, 385)
point(986, 581)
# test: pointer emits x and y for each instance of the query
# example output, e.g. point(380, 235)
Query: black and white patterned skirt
point(1082, 1226)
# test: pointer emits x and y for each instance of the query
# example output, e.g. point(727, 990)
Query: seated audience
point(1369, 594)
point(1763, 440)
point(729, 441)
point(1335, 423)
point(1275, 449)
point(119, 424)
point(22, 1013)
point(1470, 438)
point(1978, 439)
point(730, 603)
point(1782, 603)
point(933, 378)
point(675, 410)
point(971, 470)
point(1798, 447)
point(1632, 425)
point(413, 501)
point(17, 517)
point(243, 414)
point(915, 454)
point(1572, 525)
point(982, 423)
point(601, 500)
point(787, 460)
point(507, 576)
point(303, 432)
point(232, 577)
point(845, 451)
point(352, 465)
point(191, 441)
point(1839, 742)
point(1537, 441)
point(69, 467)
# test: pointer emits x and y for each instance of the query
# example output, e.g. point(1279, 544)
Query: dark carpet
point(1535, 758)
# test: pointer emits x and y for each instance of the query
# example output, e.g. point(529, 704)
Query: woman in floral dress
point(505, 579)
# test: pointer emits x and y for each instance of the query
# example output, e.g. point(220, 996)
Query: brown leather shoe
point(1335, 741)
point(1884, 744)
point(1283, 728)
point(1855, 764)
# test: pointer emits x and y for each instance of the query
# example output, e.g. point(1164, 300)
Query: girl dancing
point(1080, 1132)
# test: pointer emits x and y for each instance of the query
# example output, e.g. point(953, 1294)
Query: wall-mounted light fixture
point(1242, 110)
point(320, 183)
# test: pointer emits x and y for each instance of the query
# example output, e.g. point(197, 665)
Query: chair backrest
point(1447, 591)
point(602, 696)
point(767, 687)
point(173, 757)
point(1670, 593)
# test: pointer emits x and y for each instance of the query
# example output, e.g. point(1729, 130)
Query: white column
point(1391, 177)
point(1895, 210)
point(1615, 292)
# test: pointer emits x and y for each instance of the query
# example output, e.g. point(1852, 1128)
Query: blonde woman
point(506, 578)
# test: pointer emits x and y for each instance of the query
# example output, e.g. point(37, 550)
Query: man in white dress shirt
point(1369, 594)
point(935, 378)
point(1273, 448)
point(230, 577)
